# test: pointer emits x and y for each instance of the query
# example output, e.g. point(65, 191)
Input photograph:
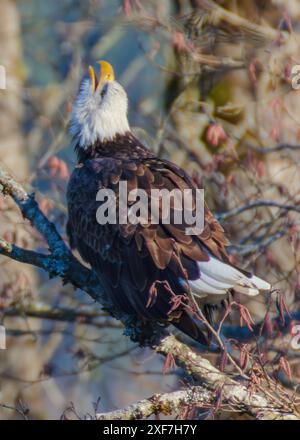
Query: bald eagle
point(153, 271)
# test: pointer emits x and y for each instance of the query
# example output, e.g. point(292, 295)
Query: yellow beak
point(106, 75)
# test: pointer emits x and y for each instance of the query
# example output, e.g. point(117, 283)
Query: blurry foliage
point(209, 85)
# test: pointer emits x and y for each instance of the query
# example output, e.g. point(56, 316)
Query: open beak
point(106, 75)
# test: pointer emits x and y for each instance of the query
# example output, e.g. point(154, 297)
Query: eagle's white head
point(100, 108)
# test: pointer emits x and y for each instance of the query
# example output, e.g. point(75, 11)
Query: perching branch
point(166, 404)
point(263, 403)
point(60, 261)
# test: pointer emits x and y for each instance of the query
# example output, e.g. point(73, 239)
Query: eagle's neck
point(125, 146)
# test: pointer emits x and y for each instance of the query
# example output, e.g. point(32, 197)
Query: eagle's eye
point(103, 91)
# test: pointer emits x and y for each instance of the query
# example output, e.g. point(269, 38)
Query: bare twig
point(276, 148)
point(257, 204)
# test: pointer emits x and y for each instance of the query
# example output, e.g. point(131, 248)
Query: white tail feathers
point(216, 278)
point(260, 284)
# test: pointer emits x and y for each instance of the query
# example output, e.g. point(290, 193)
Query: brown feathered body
point(147, 269)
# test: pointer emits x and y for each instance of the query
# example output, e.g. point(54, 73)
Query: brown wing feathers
point(131, 259)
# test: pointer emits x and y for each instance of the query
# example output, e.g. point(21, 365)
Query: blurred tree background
point(209, 86)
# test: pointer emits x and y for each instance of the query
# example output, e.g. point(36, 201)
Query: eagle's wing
point(147, 267)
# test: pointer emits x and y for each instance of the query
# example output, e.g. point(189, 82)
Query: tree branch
point(221, 17)
point(264, 405)
point(60, 262)
point(279, 147)
point(41, 310)
point(166, 404)
point(257, 204)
